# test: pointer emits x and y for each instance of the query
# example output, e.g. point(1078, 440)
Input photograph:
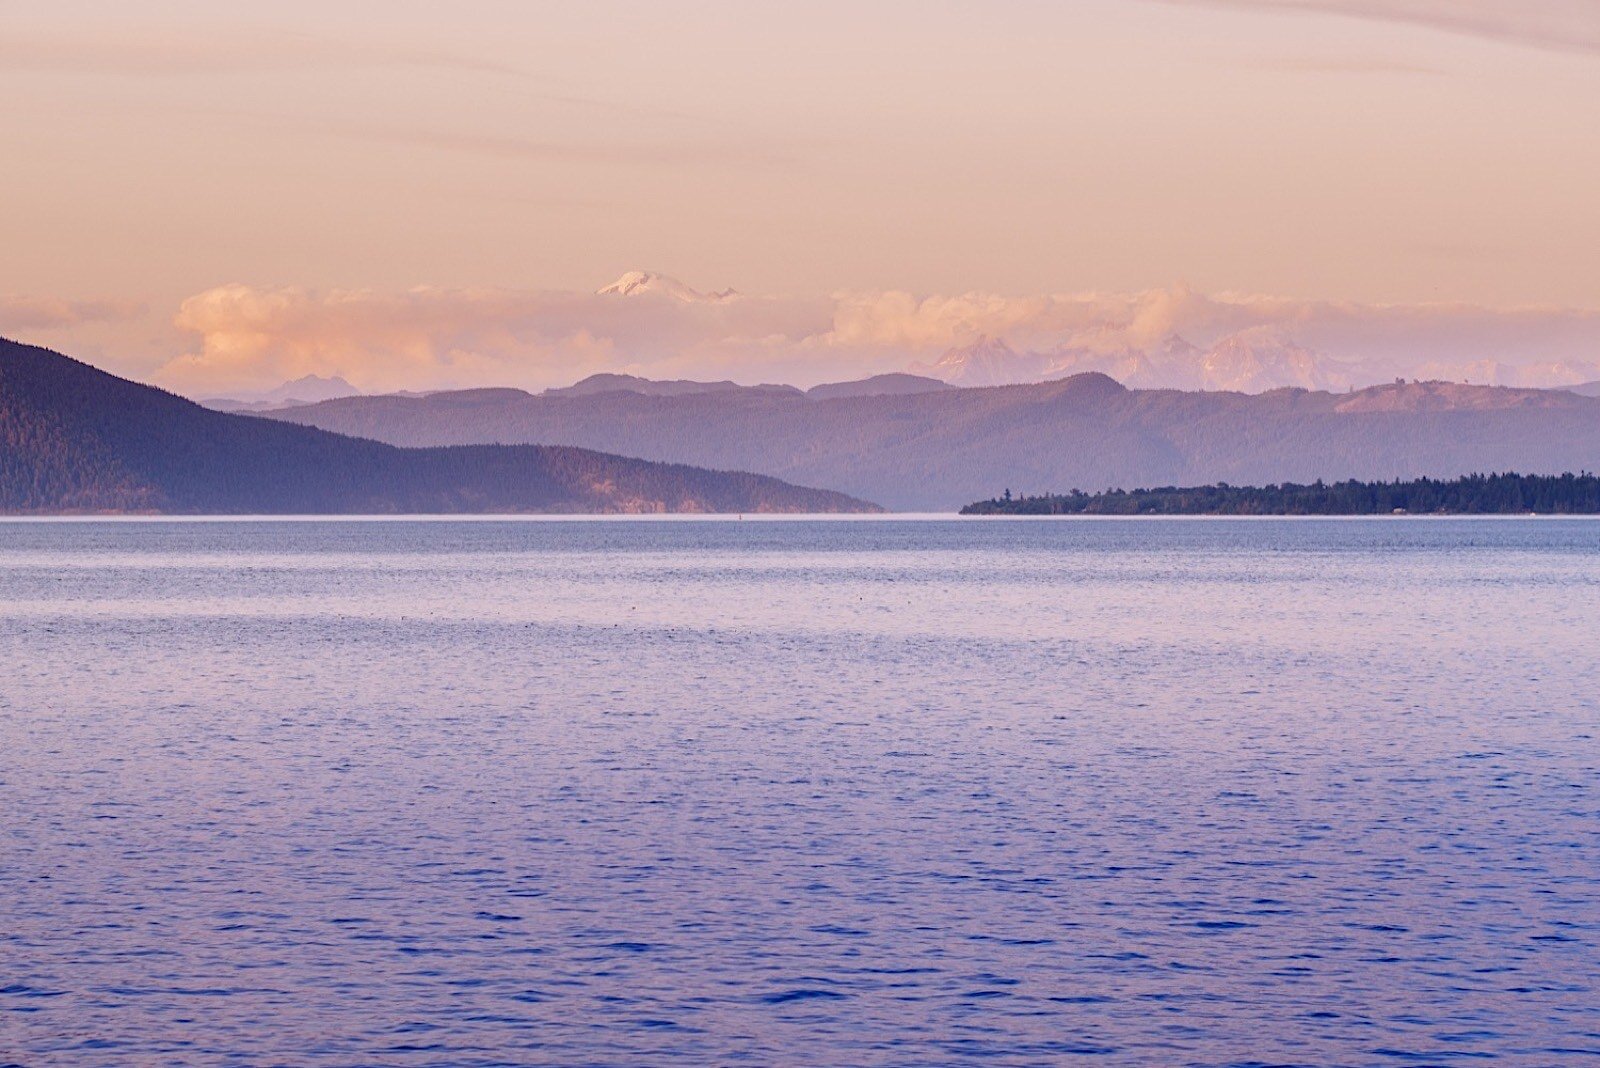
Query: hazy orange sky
point(396, 191)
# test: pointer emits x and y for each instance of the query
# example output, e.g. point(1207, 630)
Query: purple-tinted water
point(870, 792)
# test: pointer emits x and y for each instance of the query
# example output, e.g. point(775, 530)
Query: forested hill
point(77, 440)
point(1508, 494)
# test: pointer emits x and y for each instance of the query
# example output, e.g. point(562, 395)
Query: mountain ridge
point(307, 389)
point(935, 451)
point(75, 439)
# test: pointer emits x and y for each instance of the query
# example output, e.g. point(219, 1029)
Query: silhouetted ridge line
point(936, 449)
point(75, 439)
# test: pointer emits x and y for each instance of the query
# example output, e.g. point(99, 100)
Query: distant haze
point(223, 198)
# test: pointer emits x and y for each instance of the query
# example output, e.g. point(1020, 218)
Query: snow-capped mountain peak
point(1263, 358)
point(985, 362)
point(638, 283)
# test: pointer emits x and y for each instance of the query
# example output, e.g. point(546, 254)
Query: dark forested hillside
point(937, 450)
point(1507, 494)
point(74, 439)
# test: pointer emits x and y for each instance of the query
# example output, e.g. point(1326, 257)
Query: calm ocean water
point(846, 792)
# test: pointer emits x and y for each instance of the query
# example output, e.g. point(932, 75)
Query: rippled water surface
point(842, 792)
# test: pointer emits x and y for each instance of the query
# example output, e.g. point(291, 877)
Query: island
point(1496, 494)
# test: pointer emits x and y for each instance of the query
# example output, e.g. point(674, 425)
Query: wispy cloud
point(633, 153)
point(214, 53)
point(169, 53)
point(1553, 25)
point(1313, 65)
point(18, 313)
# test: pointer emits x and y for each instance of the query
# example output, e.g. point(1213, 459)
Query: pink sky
point(422, 195)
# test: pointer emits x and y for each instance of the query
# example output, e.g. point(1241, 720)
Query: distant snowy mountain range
point(1254, 360)
point(1251, 361)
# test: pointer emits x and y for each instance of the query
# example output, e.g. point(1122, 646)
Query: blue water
point(848, 792)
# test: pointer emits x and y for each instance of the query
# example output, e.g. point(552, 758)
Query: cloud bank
point(248, 338)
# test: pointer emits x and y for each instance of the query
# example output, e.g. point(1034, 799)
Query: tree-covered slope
point(75, 439)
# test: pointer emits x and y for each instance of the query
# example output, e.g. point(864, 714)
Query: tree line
point(1494, 494)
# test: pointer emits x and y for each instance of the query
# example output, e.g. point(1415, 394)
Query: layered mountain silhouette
point(75, 439)
point(308, 389)
point(876, 386)
point(894, 384)
point(612, 383)
point(939, 449)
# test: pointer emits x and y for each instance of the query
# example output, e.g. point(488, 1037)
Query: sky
point(417, 195)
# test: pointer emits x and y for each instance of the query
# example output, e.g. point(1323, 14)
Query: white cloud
point(425, 338)
point(437, 338)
